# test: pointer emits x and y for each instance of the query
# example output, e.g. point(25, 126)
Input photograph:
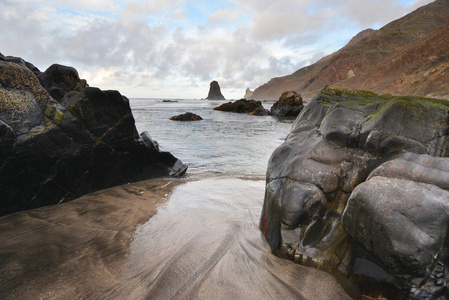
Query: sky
point(175, 48)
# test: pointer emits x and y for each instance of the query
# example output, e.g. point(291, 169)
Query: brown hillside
point(407, 56)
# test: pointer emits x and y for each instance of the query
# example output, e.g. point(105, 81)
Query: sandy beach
point(157, 239)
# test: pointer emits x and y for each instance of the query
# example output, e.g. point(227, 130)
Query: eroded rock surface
point(60, 139)
point(289, 105)
point(360, 188)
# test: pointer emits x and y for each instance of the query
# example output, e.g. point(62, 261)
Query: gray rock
point(402, 223)
point(54, 151)
point(381, 164)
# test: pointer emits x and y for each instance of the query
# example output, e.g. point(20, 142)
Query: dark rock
point(58, 80)
point(289, 105)
point(260, 111)
point(188, 116)
point(215, 92)
point(360, 188)
point(240, 106)
point(169, 101)
point(56, 151)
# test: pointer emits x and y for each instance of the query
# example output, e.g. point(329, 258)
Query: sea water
point(223, 143)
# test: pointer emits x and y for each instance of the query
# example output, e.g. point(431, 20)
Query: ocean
point(223, 143)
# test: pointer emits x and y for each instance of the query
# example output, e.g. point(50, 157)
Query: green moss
point(59, 117)
point(49, 112)
point(75, 108)
point(333, 94)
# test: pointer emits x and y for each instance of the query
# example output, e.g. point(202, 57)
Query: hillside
point(407, 56)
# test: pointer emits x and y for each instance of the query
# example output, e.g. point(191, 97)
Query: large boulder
point(215, 92)
point(244, 106)
point(360, 188)
point(289, 105)
point(60, 139)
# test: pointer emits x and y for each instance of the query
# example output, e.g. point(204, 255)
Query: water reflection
point(204, 243)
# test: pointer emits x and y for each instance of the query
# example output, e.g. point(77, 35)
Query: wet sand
point(157, 239)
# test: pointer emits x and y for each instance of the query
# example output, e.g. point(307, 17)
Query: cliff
point(408, 56)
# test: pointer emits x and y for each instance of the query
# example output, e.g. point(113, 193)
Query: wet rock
point(260, 111)
point(381, 165)
point(215, 92)
point(188, 116)
point(59, 79)
point(241, 106)
point(289, 105)
point(54, 151)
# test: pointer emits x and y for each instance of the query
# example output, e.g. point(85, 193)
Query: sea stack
point(215, 92)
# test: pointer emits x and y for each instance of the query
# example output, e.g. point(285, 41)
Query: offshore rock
point(405, 57)
point(242, 106)
point(60, 139)
point(215, 92)
point(188, 116)
point(289, 105)
point(360, 188)
point(260, 111)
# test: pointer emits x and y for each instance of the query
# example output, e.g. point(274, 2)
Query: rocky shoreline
point(61, 139)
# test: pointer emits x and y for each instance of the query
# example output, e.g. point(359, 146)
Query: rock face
point(248, 94)
point(215, 92)
point(188, 116)
point(360, 188)
point(405, 57)
point(244, 106)
point(60, 139)
point(289, 105)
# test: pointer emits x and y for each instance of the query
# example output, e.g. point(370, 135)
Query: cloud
point(160, 47)
point(148, 8)
point(224, 16)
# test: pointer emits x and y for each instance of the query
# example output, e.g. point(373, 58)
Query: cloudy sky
point(174, 48)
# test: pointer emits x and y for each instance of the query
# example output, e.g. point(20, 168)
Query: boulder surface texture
point(60, 138)
point(244, 106)
point(360, 188)
point(289, 105)
point(215, 92)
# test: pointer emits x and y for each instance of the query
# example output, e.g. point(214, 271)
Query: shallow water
point(200, 240)
point(204, 243)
